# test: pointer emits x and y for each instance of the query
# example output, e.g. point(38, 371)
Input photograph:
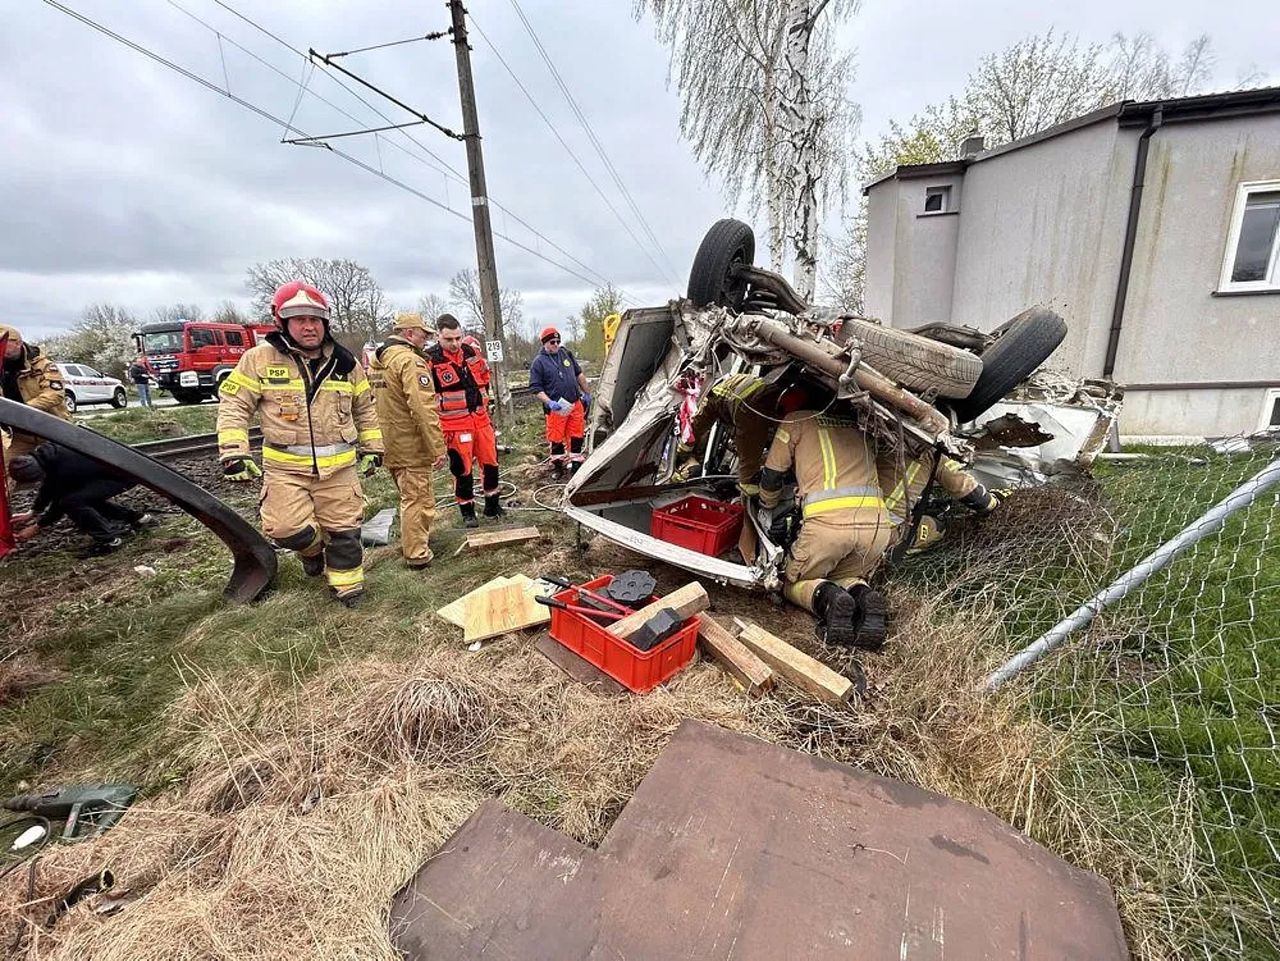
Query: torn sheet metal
point(376, 531)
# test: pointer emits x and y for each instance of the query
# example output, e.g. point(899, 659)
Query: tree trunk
point(802, 126)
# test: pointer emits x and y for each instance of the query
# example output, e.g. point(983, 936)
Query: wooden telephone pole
point(485, 263)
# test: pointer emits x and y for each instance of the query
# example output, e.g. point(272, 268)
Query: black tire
point(914, 362)
point(187, 397)
point(69, 401)
point(119, 399)
point(727, 244)
point(1023, 344)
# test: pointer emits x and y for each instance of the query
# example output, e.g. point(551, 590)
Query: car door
point(97, 387)
point(74, 381)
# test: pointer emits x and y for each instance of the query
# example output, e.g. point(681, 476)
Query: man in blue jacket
point(558, 381)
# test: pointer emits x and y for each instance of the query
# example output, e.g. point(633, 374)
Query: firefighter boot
point(312, 566)
point(870, 619)
point(468, 512)
point(835, 610)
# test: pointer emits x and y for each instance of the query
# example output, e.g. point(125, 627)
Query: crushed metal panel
point(733, 848)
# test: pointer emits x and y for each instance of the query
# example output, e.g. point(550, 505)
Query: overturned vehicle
point(966, 395)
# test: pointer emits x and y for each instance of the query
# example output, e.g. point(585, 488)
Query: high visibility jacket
point(462, 385)
point(835, 469)
point(402, 386)
point(903, 481)
point(35, 381)
point(315, 420)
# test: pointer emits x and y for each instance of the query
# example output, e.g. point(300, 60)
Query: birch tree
point(763, 105)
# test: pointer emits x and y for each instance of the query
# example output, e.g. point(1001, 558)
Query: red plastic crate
point(636, 670)
point(698, 523)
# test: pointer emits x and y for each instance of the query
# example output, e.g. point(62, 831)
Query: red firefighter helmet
point(299, 299)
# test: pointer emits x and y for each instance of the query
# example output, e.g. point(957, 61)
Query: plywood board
point(736, 849)
point(455, 612)
point(501, 610)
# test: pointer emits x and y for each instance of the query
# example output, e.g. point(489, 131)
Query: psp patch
point(424, 380)
point(55, 385)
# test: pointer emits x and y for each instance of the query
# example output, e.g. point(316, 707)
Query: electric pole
point(485, 263)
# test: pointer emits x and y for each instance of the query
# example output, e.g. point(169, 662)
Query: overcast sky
point(125, 182)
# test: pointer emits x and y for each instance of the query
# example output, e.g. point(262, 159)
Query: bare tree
point(102, 338)
point(432, 306)
point(605, 301)
point(763, 105)
point(228, 313)
point(357, 302)
point(176, 312)
point(464, 296)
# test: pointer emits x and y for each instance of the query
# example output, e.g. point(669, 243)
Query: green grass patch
point(137, 424)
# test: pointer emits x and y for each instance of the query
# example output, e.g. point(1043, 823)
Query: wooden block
point(734, 656)
point(516, 535)
point(501, 610)
point(684, 601)
point(796, 666)
point(455, 612)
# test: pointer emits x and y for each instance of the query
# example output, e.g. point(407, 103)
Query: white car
point(84, 385)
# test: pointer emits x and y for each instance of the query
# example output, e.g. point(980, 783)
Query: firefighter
point(748, 405)
point(844, 529)
point(402, 385)
point(319, 431)
point(558, 381)
point(906, 482)
point(461, 377)
point(29, 377)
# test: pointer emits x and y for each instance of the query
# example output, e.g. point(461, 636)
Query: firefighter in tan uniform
point(319, 426)
point(905, 480)
point(402, 386)
point(28, 377)
point(748, 405)
point(844, 530)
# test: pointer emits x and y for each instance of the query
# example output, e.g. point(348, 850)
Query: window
point(235, 338)
point(201, 337)
point(937, 200)
point(89, 371)
point(73, 370)
point(1253, 243)
point(1271, 411)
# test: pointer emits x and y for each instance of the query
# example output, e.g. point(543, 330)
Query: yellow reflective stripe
point(895, 499)
point(339, 386)
point(828, 459)
point(272, 456)
point(240, 380)
point(233, 435)
point(360, 388)
point(364, 436)
point(294, 384)
point(842, 504)
point(344, 578)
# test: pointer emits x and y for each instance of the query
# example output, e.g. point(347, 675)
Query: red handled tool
point(576, 609)
point(607, 601)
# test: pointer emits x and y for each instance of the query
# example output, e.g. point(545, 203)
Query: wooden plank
point(734, 656)
point(582, 671)
point(501, 610)
point(515, 535)
point(796, 666)
point(684, 601)
point(455, 612)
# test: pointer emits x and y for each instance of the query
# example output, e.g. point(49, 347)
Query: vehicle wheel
point(119, 400)
point(917, 363)
point(727, 244)
point(186, 397)
point(1022, 345)
point(69, 401)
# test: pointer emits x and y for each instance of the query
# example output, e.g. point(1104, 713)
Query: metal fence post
point(1211, 521)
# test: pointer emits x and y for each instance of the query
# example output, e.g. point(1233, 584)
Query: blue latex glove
point(561, 406)
point(586, 399)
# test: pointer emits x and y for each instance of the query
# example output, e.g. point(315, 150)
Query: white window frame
point(1272, 281)
point(1273, 395)
point(938, 190)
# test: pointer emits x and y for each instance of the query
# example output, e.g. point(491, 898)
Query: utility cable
point(591, 134)
point(445, 168)
point(267, 115)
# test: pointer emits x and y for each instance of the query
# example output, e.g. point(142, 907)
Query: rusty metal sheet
point(733, 848)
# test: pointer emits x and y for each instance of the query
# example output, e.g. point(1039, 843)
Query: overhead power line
point(591, 134)
point(445, 168)
point(267, 115)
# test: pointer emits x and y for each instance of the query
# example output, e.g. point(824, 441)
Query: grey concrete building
point(1153, 228)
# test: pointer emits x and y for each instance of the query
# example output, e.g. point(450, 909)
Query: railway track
point(173, 448)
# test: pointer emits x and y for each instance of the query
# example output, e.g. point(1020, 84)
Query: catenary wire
point(267, 115)
point(441, 165)
point(591, 134)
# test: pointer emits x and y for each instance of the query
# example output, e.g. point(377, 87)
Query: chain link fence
point(1168, 699)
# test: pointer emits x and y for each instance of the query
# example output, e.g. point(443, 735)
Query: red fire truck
point(190, 358)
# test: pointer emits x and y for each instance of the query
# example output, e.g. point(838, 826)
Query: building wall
point(1216, 412)
point(1044, 225)
point(882, 227)
point(1175, 329)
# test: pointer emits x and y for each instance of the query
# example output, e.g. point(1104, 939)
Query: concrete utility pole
point(485, 263)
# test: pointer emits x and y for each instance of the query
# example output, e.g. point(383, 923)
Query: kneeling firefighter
point(907, 481)
point(319, 427)
point(746, 404)
point(844, 530)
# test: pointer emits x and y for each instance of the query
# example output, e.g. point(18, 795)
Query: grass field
point(297, 759)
